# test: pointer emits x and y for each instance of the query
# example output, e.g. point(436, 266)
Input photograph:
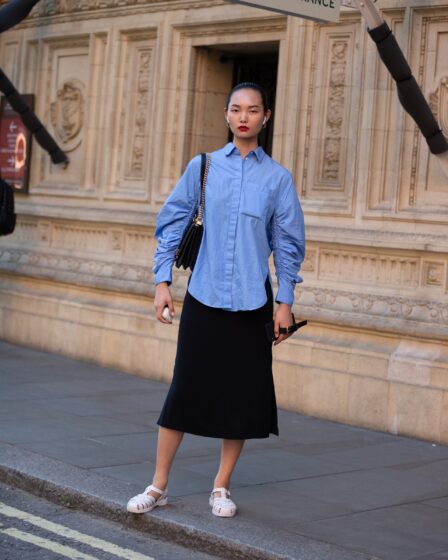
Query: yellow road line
point(61, 549)
point(63, 531)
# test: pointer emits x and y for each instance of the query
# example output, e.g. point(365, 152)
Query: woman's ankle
point(221, 483)
point(160, 482)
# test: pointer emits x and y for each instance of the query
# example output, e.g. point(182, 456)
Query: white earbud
point(264, 121)
point(166, 314)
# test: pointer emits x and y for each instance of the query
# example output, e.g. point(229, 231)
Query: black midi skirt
point(222, 384)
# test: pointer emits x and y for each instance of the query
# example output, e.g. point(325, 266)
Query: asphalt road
point(32, 528)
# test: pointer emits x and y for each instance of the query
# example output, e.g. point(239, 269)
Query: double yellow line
point(63, 531)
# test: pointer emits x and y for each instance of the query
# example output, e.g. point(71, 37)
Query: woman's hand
point(162, 298)
point(283, 318)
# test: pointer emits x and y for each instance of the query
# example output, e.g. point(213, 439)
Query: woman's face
point(246, 113)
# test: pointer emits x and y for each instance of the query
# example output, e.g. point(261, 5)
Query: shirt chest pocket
point(255, 200)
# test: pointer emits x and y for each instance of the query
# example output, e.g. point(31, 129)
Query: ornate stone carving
point(55, 265)
point(335, 113)
point(137, 243)
point(80, 238)
point(67, 113)
point(374, 237)
point(438, 101)
point(309, 109)
point(44, 230)
point(433, 273)
point(364, 308)
point(117, 240)
point(139, 135)
point(417, 138)
point(132, 153)
point(309, 264)
point(369, 268)
point(51, 8)
point(25, 231)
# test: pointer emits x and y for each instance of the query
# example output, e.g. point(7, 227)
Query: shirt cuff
point(164, 274)
point(285, 293)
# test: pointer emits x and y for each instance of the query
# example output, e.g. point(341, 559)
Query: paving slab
point(393, 533)
point(81, 434)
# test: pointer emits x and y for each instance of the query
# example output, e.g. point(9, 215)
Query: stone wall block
point(368, 402)
point(288, 385)
point(439, 376)
point(368, 364)
point(334, 359)
point(416, 411)
point(412, 362)
point(325, 394)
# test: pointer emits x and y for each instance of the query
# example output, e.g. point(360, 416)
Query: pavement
point(85, 437)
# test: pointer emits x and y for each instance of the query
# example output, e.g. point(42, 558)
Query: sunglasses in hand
point(283, 330)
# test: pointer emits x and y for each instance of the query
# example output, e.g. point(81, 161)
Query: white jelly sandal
point(146, 502)
point(222, 505)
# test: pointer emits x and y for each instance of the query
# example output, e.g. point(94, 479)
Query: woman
point(222, 384)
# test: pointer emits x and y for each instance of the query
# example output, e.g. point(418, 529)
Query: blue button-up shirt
point(251, 210)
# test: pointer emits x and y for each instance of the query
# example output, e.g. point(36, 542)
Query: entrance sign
point(318, 10)
point(15, 146)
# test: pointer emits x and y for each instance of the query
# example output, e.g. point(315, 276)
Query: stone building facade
point(133, 89)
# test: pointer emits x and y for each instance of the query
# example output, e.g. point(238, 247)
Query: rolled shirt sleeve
point(288, 242)
point(174, 216)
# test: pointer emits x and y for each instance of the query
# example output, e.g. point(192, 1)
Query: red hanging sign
point(15, 146)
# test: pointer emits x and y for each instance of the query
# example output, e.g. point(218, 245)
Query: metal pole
point(12, 14)
point(409, 93)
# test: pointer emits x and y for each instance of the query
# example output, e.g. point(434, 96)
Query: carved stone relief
point(68, 113)
point(417, 316)
point(423, 191)
point(330, 170)
point(47, 8)
point(136, 161)
point(434, 273)
point(384, 118)
point(136, 244)
point(80, 239)
point(68, 77)
point(10, 59)
point(438, 101)
point(327, 173)
point(310, 262)
point(61, 95)
point(132, 155)
point(369, 268)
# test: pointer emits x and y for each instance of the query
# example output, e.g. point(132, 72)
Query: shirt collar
point(230, 148)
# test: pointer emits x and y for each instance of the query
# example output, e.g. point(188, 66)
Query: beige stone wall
point(142, 87)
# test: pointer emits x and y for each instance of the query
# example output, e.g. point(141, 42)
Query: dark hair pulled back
point(250, 85)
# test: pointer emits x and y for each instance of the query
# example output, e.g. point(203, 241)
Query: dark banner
point(15, 146)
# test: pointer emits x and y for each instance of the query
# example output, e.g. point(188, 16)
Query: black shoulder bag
point(188, 249)
point(7, 214)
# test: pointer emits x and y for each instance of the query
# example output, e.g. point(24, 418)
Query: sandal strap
point(226, 492)
point(152, 487)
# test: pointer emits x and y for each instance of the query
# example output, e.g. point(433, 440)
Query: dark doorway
point(260, 67)
point(217, 69)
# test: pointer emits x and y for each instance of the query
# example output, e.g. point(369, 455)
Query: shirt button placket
point(233, 222)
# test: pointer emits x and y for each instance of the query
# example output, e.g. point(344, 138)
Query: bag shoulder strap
point(203, 162)
point(205, 166)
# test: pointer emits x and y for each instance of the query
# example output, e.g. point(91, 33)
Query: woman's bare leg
point(230, 452)
point(168, 442)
